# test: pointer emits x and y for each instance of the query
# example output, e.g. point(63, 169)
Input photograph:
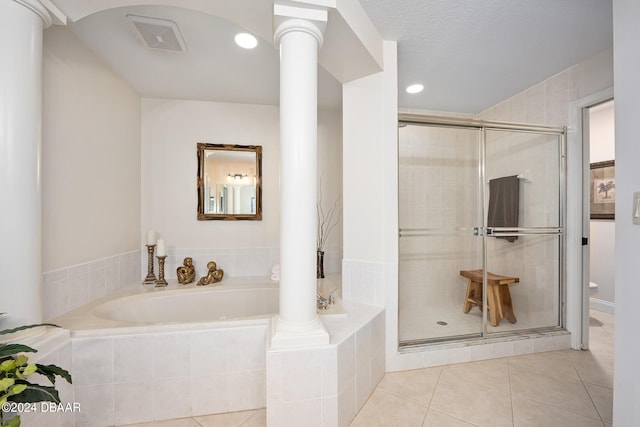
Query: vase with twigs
point(327, 221)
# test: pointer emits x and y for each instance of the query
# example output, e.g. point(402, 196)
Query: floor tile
point(479, 404)
point(417, 385)
point(554, 364)
point(386, 410)
point(438, 419)
point(493, 372)
point(593, 371)
point(529, 413)
point(564, 393)
point(603, 399)
point(179, 422)
point(231, 419)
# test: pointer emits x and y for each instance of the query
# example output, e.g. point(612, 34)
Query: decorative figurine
point(186, 272)
point(214, 275)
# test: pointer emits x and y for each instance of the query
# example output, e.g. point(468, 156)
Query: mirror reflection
point(229, 182)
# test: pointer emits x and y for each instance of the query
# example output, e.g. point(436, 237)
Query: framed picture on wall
point(603, 190)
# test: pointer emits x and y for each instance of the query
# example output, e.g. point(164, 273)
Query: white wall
point(602, 232)
point(90, 156)
point(370, 164)
point(370, 156)
point(170, 131)
point(547, 103)
point(626, 395)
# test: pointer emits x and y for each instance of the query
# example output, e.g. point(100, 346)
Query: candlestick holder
point(161, 282)
point(151, 277)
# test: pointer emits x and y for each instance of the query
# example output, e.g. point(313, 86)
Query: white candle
point(162, 249)
point(151, 237)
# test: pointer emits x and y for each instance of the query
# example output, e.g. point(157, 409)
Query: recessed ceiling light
point(246, 40)
point(417, 88)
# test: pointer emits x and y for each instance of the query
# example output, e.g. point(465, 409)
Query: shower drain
point(442, 323)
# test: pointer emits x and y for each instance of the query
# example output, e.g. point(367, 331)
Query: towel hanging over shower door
point(504, 201)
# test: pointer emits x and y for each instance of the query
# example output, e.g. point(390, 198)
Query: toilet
point(593, 288)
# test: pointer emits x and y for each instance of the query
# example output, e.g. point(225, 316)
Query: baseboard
point(602, 305)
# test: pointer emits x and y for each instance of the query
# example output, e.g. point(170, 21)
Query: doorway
point(599, 224)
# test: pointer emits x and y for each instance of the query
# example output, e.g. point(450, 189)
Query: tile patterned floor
point(562, 388)
point(257, 418)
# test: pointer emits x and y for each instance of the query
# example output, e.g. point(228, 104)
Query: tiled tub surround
point(124, 378)
point(327, 385)
point(133, 372)
point(71, 287)
point(68, 288)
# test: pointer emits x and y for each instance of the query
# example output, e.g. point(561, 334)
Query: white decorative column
point(298, 31)
point(21, 32)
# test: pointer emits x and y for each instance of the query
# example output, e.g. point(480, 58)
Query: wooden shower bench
point(498, 296)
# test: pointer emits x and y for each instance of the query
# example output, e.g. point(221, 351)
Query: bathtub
point(179, 351)
point(234, 301)
point(148, 353)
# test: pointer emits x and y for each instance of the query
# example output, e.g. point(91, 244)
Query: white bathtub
point(243, 300)
point(202, 304)
point(163, 353)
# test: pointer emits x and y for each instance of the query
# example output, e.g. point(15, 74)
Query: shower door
point(444, 175)
point(532, 249)
point(440, 205)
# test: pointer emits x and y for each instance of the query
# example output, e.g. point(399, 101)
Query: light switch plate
point(636, 208)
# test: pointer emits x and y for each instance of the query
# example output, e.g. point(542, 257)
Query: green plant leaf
point(36, 393)
point(17, 389)
point(30, 369)
point(21, 359)
point(20, 328)
point(11, 349)
point(5, 383)
point(50, 371)
point(13, 422)
point(8, 365)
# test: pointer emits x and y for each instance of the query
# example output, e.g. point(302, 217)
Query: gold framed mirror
point(229, 182)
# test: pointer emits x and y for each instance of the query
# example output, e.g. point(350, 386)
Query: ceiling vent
point(160, 34)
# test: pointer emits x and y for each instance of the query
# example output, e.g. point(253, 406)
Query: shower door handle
point(483, 231)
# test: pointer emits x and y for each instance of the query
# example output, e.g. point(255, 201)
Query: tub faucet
point(321, 301)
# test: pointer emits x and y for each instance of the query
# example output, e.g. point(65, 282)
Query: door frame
point(577, 254)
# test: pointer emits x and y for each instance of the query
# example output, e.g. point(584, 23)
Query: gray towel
point(504, 194)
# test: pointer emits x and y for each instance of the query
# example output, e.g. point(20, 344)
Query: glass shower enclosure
point(481, 238)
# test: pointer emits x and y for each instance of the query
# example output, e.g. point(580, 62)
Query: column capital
point(36, 7)
point(291, 18)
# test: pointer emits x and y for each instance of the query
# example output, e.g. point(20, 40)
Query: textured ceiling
point(472, 54)
point(469, 54)
point(214, 68)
